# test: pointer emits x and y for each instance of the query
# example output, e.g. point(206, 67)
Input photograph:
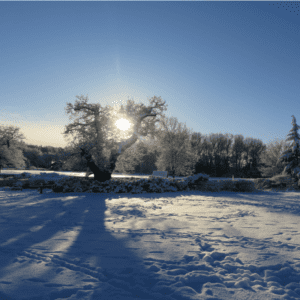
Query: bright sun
point(123, 124)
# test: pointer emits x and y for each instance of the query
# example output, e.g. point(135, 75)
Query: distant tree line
point(170, 146)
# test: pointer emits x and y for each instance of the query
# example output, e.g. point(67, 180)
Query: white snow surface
point(182, 245)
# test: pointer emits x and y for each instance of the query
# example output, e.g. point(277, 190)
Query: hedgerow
point(67, 184)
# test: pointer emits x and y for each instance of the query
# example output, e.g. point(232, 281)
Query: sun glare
point(123, 124)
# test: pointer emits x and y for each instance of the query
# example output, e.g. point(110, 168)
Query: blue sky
point(222, 67)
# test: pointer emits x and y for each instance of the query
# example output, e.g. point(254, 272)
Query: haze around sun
point(123, 124)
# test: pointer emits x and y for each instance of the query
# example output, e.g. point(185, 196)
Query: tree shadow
point(44, 220)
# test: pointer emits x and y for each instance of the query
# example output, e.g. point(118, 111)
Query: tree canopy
point(96, 130)
point(291, 156)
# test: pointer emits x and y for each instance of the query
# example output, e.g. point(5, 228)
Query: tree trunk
point(99, 175)
point(103, 174)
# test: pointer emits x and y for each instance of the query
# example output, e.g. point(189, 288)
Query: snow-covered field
point(183, 245)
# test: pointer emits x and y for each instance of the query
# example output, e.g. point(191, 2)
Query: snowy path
point(184, 245)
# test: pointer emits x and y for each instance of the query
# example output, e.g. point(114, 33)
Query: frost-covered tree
point(238, 148)
point(10, 153)
point(175, 154)
point(104, 136)
point(271, 165)
point(252, 153)
point(292, 155)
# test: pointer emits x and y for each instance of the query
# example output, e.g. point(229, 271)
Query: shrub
point(65, 184)
point(32, 168)
point(198, 178)
point(263, 183)
point(276, 182)
point(17, 186)
point(23, 175)
point(212, 186)
point(244, 186)
point(228, 185)
point(181, 185)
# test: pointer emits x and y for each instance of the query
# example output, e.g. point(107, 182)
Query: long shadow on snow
point(93, 243)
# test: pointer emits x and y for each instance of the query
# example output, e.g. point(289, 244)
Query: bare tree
point(271, 165)
point(10, 134)
point(238, 148)
point(195, 141)
point(175, 147)
point(108, 142)
point(10, 137)
point(220, 143)
point(253, 150)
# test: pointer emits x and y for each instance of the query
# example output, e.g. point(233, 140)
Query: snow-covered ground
point(183, 245)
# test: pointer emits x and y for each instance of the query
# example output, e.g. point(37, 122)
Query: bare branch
point(103, 127)
point(146, 112)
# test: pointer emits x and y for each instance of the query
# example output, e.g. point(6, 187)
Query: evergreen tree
point(292, 155)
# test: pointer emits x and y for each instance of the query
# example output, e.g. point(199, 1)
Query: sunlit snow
point(182, 245)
